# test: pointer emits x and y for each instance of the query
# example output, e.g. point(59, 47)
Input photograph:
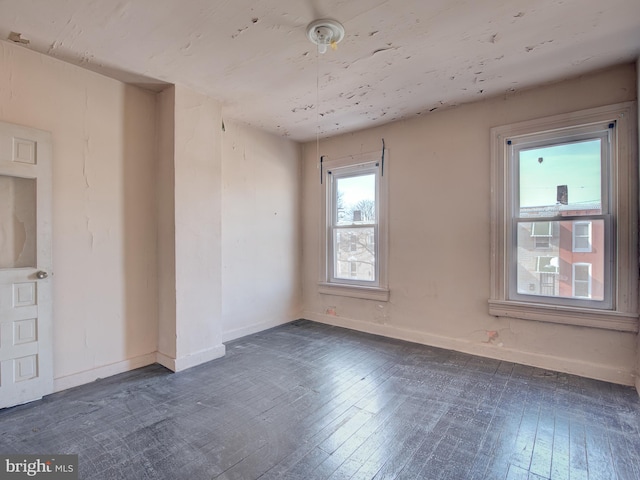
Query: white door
point(26, 353)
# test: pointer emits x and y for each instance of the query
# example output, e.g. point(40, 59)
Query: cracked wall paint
point(103, 131)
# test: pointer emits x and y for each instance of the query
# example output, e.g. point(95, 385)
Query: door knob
point(40, 274)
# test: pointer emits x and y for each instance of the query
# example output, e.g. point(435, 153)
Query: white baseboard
point(254, 328)
point(166, 361)
point(559, 364)
point(175, 365)
point(188, 361)
point(88, 376)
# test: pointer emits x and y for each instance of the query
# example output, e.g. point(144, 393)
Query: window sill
point(582, 317)
point(354, 291)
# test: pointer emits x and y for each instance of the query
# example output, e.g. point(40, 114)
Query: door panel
point(26, 368)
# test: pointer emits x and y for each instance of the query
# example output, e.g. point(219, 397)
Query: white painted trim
point(188, 361)
point(88, 376)
point(581, 317)
point(382, 243)
point(198, 358)
point(567, 365)
point(255, 328)
point(355, 291)
point(624, 186)
point(175, 365)
point(166, 361)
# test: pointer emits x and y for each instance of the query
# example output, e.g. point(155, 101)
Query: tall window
point(562, 184)
point(354, 236)
point(560, 178)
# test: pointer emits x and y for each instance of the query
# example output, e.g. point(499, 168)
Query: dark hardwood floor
point(309, 401)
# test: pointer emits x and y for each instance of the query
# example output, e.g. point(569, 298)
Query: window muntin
point(560, 179)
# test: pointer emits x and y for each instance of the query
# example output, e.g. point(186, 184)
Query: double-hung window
point(354, 230)
point(566, 184)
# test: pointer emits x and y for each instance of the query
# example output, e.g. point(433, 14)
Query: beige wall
point(166, 241)
point(198, 222)
point(189, 228)
point(439, 204)
point(104, 221)
point(261, 249)
point(138, 219)
point(230, 202)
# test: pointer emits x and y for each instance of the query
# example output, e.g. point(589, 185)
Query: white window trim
point(624, 313)
point(328, 286)
point(588, 249)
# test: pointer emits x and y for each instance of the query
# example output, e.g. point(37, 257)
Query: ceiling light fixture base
point(325, 32)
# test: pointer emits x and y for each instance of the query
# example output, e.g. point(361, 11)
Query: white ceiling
point(399, 58)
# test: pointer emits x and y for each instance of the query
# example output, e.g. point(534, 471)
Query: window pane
point(355, 253)
point(356, 199)
point(559, 270)
point(581, 243)
point(563, 179)
point(17, 222)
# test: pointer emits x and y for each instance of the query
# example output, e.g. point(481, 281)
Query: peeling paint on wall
point(331, 311)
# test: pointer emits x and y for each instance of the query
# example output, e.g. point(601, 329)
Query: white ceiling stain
point(399, 58)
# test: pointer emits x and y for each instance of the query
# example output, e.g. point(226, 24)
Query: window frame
point(622, 313)
point(329, 284)
point(604, 131)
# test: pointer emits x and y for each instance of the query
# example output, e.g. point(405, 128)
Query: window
point(582, 280)
point(562, 184)
point(547, 265)
point(354, 269)
point(541, 232)
point(354, 243)
point(354, 229)
point(582, 237)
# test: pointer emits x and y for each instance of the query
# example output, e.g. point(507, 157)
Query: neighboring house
point(562, 258)
point(356, 247)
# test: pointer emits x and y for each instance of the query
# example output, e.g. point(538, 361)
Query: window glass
point(551, 274)
point(355, 199)
point(560, 177)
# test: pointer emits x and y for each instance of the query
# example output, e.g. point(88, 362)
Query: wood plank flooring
point(309, 401)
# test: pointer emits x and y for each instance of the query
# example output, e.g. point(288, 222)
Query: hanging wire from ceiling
point(323, 33)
